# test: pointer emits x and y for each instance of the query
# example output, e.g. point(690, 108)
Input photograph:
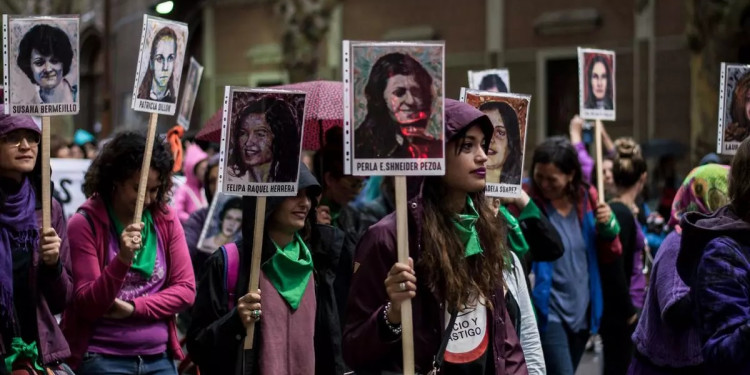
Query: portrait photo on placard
point(41, 65)
point(189, 93)
point(159, 69)
point(495, 80)
point(734, 107)
point(223, 223)
point(397, 107)
point(596, 77)
point(509, 115)
point(261, 141)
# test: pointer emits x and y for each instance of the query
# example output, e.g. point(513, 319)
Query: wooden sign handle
point(46, 184)
point(260, 218)
point(599, 172)
point(402, 236)
point(145, 168)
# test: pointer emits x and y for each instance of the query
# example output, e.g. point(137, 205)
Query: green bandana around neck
point(466, 228)
point(289, 270)
point(515, 237)
point(19, 349)
point(145, 258)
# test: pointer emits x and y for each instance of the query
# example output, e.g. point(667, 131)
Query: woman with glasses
point(31, 339)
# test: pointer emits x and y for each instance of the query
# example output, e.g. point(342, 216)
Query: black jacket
point(216, 334)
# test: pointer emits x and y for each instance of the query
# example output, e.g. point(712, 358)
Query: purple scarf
point(18, 225)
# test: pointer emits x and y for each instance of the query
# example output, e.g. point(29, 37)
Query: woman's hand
point(130, 242)
point(603, 213)
point(520, 202)
point(249, 309)
point(120, 310)
point(401, 285)
point(50, 247)
point(576, 130)
point(323, 214)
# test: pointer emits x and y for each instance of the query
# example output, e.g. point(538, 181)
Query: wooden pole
point(402, 235)
point(260, 218)
point(145, 168)
point(599, 173)
point(46, 185)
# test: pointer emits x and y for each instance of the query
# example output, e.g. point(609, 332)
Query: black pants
point(618, 348)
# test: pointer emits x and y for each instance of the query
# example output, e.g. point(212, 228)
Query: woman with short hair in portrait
point(45, 54)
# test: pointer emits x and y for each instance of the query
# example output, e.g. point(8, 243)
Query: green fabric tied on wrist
point(289, 270)
point(515, 237)
point(145, 258)
point(21, 350)
point(466, 228)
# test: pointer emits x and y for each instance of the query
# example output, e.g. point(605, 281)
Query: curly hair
point(232, 204)
point(283, 120)
point(511, 172)
point(122, 157)
point(48, 41)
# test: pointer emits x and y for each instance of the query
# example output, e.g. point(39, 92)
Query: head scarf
point(704, 190)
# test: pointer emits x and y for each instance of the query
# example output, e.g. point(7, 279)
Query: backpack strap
point(231, 271)
point(88, 218)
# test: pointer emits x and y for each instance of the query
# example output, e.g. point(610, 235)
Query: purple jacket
point(667, 334)
point(366, 344)
point(97, 282)
point(56, 292)
point(715, 261)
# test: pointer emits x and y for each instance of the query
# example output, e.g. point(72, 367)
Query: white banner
point(68, 175)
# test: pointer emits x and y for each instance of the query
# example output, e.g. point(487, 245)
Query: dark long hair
point(283, 120)
point(493, 80)
point(120, 158)
point(511, 172)
point(739, 181)
point(386, 67)
point(558, 151)
point(590, 98)
point(48, 41)
point(448, 271)
point(738, 101)
point(144, 90)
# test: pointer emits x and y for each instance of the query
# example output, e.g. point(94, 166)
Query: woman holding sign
point(130, 278)
point(454, 276)
point(296, 321)
point(568, 291)
point(28, 329)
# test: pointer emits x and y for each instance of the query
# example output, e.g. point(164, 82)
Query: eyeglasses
point(15, 138)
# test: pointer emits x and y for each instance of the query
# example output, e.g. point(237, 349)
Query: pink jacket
point(97, 283)
point(189, 197)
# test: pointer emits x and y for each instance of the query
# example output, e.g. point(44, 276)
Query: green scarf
point(20, 350)
point(145, 258)
point(515, 237)
point(289, 270)
point(466, 228)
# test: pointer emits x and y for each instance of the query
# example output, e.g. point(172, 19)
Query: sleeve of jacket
point(95, 290)
point(57, 282)
point(587, 162)
point(530, 340)
point(179, 293)
point(179, 198)
point(544, 241)
point(723, 302)
point(515, 363)
point(608, 239)
point(215, 332)
point(366, 339)
point(615, 276)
